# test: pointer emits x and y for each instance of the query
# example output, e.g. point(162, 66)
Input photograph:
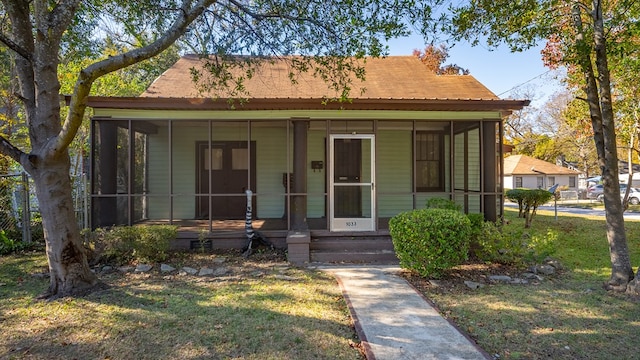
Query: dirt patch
point(453, 280)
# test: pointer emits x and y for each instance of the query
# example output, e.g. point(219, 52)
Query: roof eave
point(150, 103)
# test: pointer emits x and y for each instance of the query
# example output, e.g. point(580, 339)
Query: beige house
point(521, 171)
point(316, 168)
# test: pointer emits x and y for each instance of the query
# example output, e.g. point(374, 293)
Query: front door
point(230, 166)
point(352, 205)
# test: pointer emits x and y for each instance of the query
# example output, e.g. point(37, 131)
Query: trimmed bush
point(123, 244)
point(517, 248)
point(429, 241)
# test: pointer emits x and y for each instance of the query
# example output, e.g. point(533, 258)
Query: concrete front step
point(362, 244)
point(360, 257)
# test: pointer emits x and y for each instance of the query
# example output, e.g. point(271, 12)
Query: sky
point(500, 70)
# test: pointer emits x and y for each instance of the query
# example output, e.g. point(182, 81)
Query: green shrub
point(440, 203)
point(518, 248)
point(429, 241)
point(153, 242)
point(123, 244)
point(10, 243)
point(7, 245)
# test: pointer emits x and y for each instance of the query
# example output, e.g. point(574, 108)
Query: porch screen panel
point(270, 139)
point(460, 172)
point(140, 177)
point(185, 158)
point(316, 178)
point(473, 162)
point(159, 174)
point(394, 190)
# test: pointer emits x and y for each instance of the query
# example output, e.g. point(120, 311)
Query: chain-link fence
point(19, 212)
point(15, 209)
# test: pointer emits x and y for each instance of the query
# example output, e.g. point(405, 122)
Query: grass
point(567, 316)
point(257, 312)
point(260, 310)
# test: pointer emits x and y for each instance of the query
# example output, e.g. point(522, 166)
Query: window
point(429, 161)
point(572, 181)
point(540, 182)
point(552, 180)
point(518, 181)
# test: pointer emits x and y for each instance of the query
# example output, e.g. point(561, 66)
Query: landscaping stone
point(545, 269)
point(143, 268)
point(532, 276)
point(106, 269)
point(189, 270)
point(503, 278)
point(165, 268)
point(555, 263)
point(220, 271)
point(125, 269)
point(205, 272)
point(473, 285)
point(518, 281)
point(219, 260)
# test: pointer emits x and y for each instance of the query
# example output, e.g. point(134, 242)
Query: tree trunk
point(621, 271)
point(70, 274)
point(598, 91)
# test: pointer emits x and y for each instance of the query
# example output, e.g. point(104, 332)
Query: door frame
point(360, 223)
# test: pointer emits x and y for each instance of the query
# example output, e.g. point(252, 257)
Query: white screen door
point(351, 177)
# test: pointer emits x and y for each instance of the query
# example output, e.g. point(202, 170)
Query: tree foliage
point(434, 58)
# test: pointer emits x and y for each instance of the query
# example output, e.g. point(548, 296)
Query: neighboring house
point(521, 171)
point(175, 155)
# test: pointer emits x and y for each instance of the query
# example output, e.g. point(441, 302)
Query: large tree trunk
point(621, 271)
point(598, 91)
point(70, 274)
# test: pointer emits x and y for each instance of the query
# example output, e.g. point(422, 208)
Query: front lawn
point(254, 309)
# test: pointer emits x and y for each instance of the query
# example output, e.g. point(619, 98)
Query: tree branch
point(15, 47)
point(62, 15)
point(88, 76)
point(8, 149)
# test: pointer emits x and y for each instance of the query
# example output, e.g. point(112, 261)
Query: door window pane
point(239, 159)
point(216, 159)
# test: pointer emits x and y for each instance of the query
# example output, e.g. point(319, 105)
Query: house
point(316, 168)
point(521, 171)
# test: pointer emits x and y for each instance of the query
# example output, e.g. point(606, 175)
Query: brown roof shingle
point(525, 165)
point(393, 77)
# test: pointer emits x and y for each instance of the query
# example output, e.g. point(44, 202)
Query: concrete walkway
point(396, 322)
